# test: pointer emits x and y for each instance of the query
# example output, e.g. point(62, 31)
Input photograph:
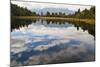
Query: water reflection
point(47, 41)
point(16, 23)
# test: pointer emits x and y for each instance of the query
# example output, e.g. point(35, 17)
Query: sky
point(31, 5)
point(88, 2)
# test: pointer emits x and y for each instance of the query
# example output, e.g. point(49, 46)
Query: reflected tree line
point(89, 27)
point(85, 26)
point(20, 11)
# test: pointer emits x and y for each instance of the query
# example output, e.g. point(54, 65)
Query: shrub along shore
point(90, 21)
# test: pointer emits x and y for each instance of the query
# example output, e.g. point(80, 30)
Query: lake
point(51, 41)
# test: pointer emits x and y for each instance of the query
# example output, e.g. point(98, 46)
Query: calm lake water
point(47, 41)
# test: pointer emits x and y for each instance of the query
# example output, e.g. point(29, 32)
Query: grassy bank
point(90, 21)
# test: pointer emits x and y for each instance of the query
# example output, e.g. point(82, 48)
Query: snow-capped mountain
point(53, 10)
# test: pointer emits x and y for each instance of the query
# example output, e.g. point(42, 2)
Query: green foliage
point(85, 14)
point(48, 14)
point(60, 14)
point(20, 11)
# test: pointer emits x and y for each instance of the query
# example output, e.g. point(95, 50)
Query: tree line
point(20, 11)
point(84, 14)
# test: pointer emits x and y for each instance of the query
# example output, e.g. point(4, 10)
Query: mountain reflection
point(51, 41)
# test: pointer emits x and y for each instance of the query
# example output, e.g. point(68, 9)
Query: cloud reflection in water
point(40, 44)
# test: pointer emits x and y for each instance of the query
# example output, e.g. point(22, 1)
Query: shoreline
point(90, 21)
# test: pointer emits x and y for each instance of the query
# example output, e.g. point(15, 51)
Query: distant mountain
point(53, 10)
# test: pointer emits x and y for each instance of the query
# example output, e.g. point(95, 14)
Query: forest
point(85, 14)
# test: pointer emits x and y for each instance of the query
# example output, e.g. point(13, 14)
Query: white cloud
point(66, 34)
point(52, 44)
point(40, 33)
point(87, 2)
point(31, 5)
